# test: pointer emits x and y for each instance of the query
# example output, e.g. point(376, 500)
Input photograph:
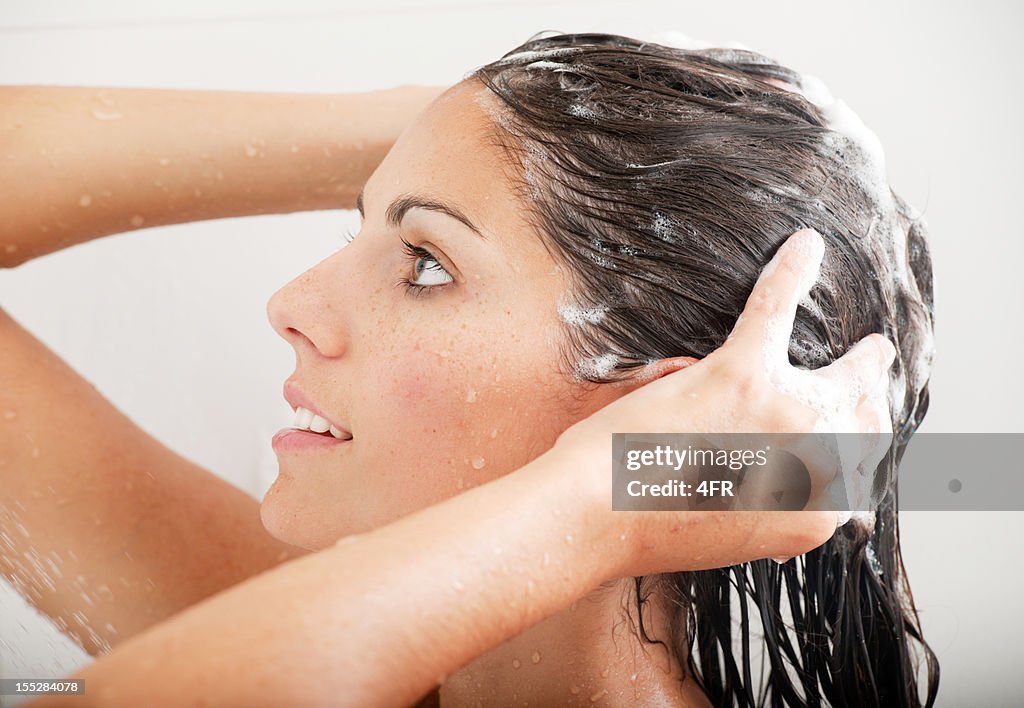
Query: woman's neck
point(588, 654)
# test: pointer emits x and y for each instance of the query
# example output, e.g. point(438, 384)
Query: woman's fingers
point(767, 318)
point(860, 369)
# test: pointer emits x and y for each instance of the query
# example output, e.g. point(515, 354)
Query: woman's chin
point(289, 520)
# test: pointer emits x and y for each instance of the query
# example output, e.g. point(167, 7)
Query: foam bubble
point(596, 367)
point(580, 316)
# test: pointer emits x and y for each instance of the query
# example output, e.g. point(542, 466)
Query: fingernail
point(810, 242)
point(890, 350)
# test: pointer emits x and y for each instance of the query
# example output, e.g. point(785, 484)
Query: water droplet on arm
point(105, 115)
point(478, 463)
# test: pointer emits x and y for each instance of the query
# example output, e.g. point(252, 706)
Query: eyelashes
point(413, 254)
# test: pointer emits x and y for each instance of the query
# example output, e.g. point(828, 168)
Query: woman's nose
point(308, 315)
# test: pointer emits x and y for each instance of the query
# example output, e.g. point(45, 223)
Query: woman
point(535, 286)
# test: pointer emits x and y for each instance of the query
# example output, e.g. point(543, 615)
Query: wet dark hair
point(664, 180)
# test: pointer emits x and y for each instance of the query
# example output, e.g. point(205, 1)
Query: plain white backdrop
point(169, 323)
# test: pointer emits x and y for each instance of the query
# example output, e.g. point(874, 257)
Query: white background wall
point(182, 344)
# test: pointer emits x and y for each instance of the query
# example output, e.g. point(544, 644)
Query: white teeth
point(305, 419)
point(319, 425)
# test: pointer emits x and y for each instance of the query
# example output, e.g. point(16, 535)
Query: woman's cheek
point(424, 385)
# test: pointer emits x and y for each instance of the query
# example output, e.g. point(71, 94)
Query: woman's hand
point(745, 386)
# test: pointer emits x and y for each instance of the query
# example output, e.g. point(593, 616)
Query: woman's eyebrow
point(402, 204)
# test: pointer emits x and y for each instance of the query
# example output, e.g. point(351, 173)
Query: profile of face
point(447, 381)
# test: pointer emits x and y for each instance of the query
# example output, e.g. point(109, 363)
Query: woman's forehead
point(449, 153)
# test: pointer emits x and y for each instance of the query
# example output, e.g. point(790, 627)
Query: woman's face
point(443, 388)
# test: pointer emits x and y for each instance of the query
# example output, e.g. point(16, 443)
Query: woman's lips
point(293, 440)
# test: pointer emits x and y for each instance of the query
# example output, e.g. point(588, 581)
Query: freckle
point(85, 200)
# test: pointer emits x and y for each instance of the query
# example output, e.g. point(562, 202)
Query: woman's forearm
point(80, 163)
point(381, 617)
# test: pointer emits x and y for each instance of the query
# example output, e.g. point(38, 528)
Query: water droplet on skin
point(536, 657)
point(594, 698)
point(568, 538)
point(494, 433)
point(605, 672)
point(35, 452)
point(164, 161)
point(516, 663)
point(220, 176)
point(138, 221)
point(10, 415)
point(85, 200)
point(10, 248)
point(574, 689)
point(460, 484)
point(633, 678)
point(478, 463)
point(547, 558)
point(105, 115)
point(250, 151)
point(458, 586)
point(443, 353)
point(295, 148)
point(471, 396)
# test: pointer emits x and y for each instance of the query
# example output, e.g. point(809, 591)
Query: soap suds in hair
point(580, 316)
point(595, 367)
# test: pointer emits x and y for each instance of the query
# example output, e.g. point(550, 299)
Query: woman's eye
point(434, 274)
point(428, 273)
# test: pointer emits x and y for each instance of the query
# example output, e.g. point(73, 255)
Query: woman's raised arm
point(383, 616)
point(80, 163)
